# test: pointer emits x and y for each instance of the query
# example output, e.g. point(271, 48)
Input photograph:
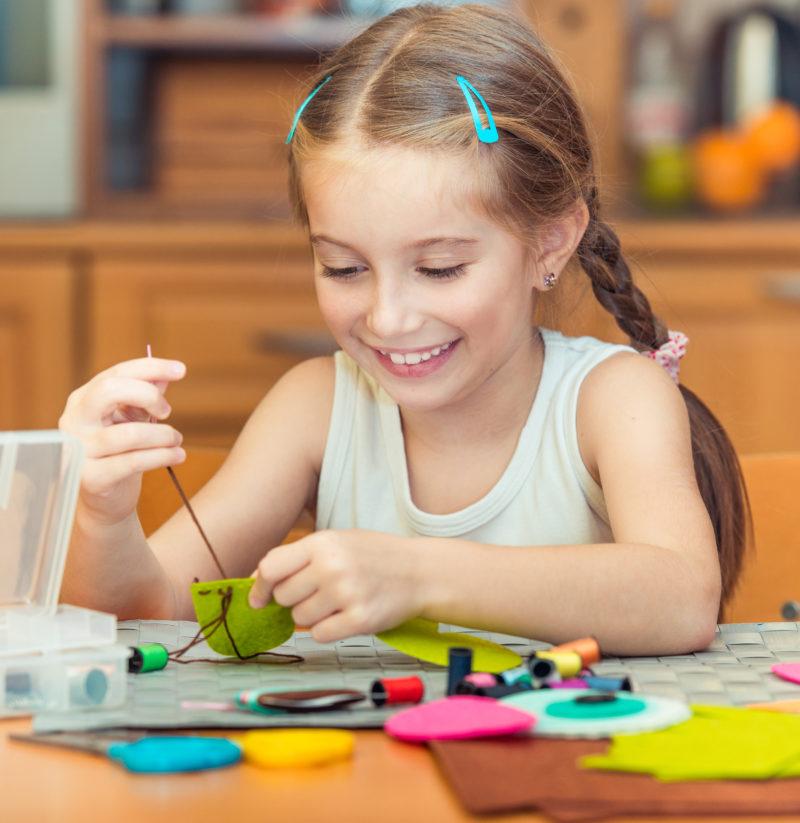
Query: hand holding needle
point(188, 505)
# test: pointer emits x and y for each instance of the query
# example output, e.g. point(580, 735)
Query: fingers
point(100, 475)
point(314, 609)
point(108, 395)
point(152, 369)
point(337, 626)
point(127, 437)
point(295, 589)
point(280, 563)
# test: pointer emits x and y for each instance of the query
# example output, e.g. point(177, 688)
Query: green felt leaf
point(421, 638)
point(253, 630)
point(716, 743)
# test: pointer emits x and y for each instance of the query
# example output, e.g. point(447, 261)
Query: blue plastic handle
point(175, 754)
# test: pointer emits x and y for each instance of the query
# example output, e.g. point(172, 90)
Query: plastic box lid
point(39, 482)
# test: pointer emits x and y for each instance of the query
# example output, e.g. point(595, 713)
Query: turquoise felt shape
point(252, 630)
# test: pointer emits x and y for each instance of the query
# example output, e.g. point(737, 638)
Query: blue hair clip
point(486, 134)
point(302, 109)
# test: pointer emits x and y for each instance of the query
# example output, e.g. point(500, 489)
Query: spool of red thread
point(392, 690)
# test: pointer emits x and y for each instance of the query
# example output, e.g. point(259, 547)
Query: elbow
point(700, 618)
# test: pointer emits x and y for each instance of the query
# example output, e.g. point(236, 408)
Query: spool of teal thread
point(149, 657)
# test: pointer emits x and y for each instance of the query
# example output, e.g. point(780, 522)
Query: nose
point(392, 313)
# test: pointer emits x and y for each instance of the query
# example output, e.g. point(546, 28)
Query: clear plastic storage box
point(51, 657)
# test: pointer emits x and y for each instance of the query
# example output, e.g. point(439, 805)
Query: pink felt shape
point(788, 671)
point(456, 718)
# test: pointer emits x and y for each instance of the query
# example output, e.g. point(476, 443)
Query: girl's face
point(429, 297)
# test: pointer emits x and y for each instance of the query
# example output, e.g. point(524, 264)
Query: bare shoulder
point(298, 406)
point(628, 398)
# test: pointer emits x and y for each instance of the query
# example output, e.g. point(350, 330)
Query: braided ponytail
point(719, 475)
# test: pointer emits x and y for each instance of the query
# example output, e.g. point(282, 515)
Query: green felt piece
point(421, 638)
point(717, 742)
point(254, 630)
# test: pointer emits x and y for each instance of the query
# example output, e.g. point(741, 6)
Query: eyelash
point(448, 273)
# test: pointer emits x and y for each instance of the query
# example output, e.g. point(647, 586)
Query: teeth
point(414, 358)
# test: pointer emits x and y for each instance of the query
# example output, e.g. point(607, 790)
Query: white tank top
point(545, 495)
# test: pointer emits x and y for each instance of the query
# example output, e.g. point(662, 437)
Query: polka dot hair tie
point(670, 353)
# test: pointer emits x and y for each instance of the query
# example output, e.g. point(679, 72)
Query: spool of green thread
point(149, 657)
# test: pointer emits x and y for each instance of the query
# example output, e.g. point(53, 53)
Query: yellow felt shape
point(717, 742)
point(282, 748)
point(251, 630)
point(421, 638)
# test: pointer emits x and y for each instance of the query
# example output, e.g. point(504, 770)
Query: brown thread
point(226, 599)
point(222, 620)
point(188, 505)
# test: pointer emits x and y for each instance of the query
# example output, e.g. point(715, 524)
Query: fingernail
point(177, 369)
point(255, 602)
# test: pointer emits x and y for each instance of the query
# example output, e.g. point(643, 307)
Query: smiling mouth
point(413, 358)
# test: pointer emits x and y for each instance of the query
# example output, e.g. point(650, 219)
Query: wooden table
point(386, 782)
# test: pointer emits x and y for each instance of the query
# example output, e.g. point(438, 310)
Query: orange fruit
point(773, 136)
point(726, 175)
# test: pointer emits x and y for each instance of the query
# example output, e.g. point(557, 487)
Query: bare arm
point(258, 494)
point(250, 504)
point(655, 590)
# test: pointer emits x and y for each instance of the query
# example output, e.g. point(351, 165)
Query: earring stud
point(550, 280)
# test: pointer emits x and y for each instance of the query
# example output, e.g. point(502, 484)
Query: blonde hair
point(395, 84)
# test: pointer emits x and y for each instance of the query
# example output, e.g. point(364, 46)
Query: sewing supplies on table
point(53, 657)
point(146, 755)
point(304, 700)
point(587, 648)
point(787, 671)
point(390, 691)
point(459, 665)
point(422, 639)
point(289, 748)
point(149, 657)
point(456, 718)
point(590, 713)
point(567, 663)
point(717, 742)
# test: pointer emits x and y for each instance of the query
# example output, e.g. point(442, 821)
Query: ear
point(557, 244)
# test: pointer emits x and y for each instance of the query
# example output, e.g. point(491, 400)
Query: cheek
point(339, 306)
point(495, 305)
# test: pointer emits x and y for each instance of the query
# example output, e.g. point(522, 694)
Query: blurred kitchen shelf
point(731, 236)
point(185, 116)
point(225, 33)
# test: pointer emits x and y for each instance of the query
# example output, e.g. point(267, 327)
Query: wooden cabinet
point(39, 335)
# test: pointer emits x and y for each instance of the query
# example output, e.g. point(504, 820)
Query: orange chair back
point(771, 573)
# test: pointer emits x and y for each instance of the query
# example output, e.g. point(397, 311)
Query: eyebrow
point(316, 239)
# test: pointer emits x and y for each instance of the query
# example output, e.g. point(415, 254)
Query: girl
point(463, 464)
